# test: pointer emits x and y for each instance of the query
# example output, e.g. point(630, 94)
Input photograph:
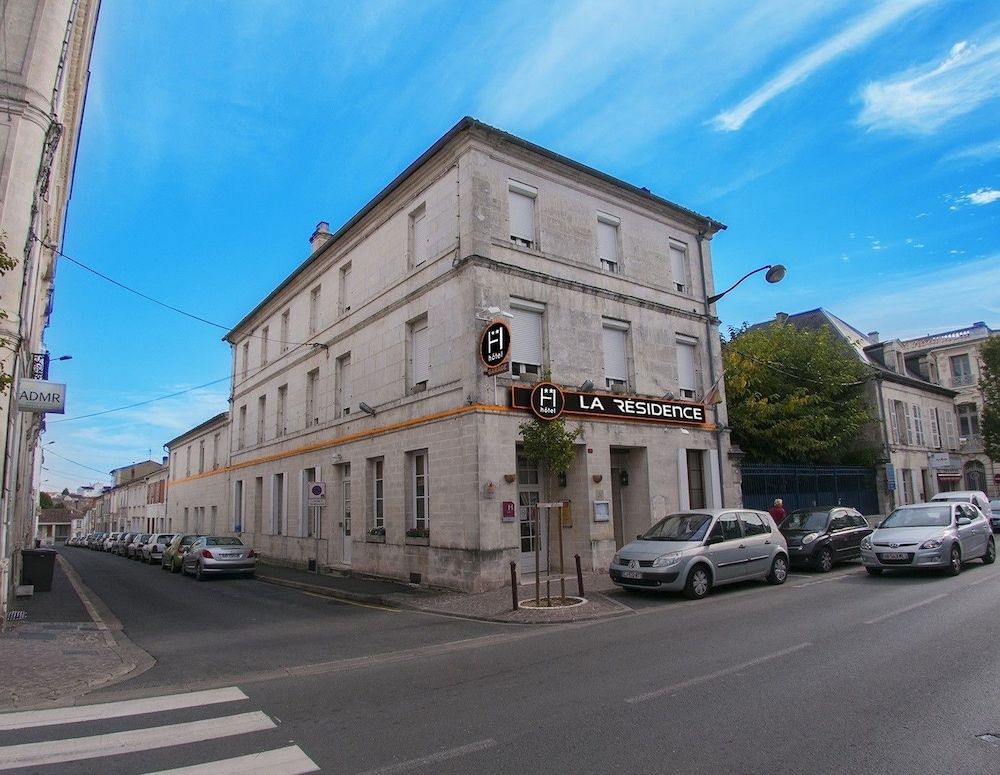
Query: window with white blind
point(312, 408)
point(344, 397)
point(607, 242)
point(526, 337)
point(615, 338)
point(280, 425)
point(521, 204)
point(315, 296)
point(678, 266)
point(246, 359)
point(285, 316)
point(419, 236)
point(346, 289)
point(687, 374)
point(420, 364)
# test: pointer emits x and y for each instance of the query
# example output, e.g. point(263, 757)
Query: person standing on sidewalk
point(777, 512)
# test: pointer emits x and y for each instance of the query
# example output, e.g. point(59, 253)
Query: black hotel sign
point(547, 402)
point(494, 347)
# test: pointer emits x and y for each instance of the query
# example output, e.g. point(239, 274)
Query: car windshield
point(223, 541)
point(922, 516)
point(679, 527)
point(806, 520)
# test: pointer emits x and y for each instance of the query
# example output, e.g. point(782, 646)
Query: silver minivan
point(698, 549)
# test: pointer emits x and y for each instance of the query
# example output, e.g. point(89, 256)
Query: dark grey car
point(822, 537)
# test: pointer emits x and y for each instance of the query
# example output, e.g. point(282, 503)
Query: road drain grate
point(16, 616)
point(988, 738)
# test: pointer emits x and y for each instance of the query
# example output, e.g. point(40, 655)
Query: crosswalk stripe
point(39, 718)
point(71, 749)
point(282, 761)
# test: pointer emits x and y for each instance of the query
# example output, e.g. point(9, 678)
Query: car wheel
point(873, 571)
point(199, 573)
point(175, 566)
point(955, 563)
point(991, 552)
point(699, 581)
point(163, 563)
point(824, 560)
point(779, 571)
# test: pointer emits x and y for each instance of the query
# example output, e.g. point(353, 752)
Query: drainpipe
point(887, 450)
point(709, 341)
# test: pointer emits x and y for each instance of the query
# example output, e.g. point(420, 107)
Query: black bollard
point(513, 583)
point(579, 575)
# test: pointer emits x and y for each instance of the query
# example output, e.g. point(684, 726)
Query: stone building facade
point(365, 431)
point(197, 490)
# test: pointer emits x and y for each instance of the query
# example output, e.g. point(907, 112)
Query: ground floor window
point(420, 500)
point(975, 476)
point(696, 479)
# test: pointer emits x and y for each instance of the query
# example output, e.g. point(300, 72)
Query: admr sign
point(36, 395)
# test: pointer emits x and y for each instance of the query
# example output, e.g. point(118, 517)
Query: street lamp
point(775, 273)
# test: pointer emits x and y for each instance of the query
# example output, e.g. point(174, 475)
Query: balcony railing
point(961, 380)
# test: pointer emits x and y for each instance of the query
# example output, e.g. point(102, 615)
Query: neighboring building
point(55, 525)
point(365, 435)
point(156, 500)
point(44, 72)
point(128, 495)
point(952, 359)
point(197, 489)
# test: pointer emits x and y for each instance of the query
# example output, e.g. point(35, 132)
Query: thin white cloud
point(855, 36)
point(983, 196)
point(923, 99)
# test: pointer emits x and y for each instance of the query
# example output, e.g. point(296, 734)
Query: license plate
point(631, 574)
point(228, 556)
point(893, 556)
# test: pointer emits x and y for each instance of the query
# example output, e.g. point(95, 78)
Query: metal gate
point(804, 486)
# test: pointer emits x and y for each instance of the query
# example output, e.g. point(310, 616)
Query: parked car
point(995, 508)
point(940, 534)
point(699, 549)
point(823, 537)
point(96, 540)
point(175, 551)
point(152, 549)
point(217, 555)
point(118, 547)
point(109, 541)
point(977, 498)
point(134, 549)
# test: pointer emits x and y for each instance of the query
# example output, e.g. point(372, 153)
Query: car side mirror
point(638, 537)
point(714, 540)
point(962, 521)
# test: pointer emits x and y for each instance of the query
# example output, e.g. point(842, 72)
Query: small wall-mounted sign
point(602, 511)
point(494, 347)
point(317, 494)
point(508, 514)
point(36, 395)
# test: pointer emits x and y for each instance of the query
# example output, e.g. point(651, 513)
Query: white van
point(976, 498)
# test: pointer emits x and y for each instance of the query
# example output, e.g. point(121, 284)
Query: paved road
point(828, 673)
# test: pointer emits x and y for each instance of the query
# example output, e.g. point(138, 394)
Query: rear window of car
point(223, 541)
point(166, 538)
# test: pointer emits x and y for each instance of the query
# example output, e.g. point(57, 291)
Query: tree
point(6, 264)
point(796, 395)
point(45, 501)
point(548, 442)
point(989, 384)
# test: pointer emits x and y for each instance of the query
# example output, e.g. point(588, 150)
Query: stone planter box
point(370, 539)
point(415, 541)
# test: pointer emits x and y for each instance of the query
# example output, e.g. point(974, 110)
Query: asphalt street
point(828, 673)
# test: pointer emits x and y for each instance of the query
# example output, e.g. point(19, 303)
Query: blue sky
point(858, 143)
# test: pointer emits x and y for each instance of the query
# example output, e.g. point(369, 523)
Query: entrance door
point(531, 521)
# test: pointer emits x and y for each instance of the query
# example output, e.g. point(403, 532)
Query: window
point(312, 383)
point(420, 509)
point(344, 397)
point(419, 236)
point(258, 504)
point(521, 202)
point(932, 421)
point(678, 266)
point(345, 489)
point(949, 428)
point(918, 425)
point(526, 337)
point(242, 428)
point(753, 525)
point(314, 309)
point(264, 334)
point(378, 493)
point(187, 467)
point(246, 359)
point(215, 515)
point(216, 444)
point(687, 375)
point(261, 412)
point(607, 241)
point(238, 506)
point(961, 370)
point(419, 360)
point(201, 456)
point(346, 289)
point(280, 427)
point(728, 527)
point(308, 512)
point(898, 421)
point(615, 334)
point(696, 479)
point(277, 504)
point(284, 330)
point(968, 420)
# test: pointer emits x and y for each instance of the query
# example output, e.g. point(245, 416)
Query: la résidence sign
point(547, 402)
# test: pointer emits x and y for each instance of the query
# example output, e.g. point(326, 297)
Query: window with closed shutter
point(526, 340)
point(521, 203)
point(421, 353)
point(678, 267)
point(686, 372)
point(615, 366)
point(419, 235)
point(607, 242)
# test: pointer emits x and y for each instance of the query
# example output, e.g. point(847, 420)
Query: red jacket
point(778, 514)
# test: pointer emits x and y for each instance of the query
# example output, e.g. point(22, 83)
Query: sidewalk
point(69, 642)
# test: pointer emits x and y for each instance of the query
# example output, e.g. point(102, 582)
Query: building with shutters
point(392, 369)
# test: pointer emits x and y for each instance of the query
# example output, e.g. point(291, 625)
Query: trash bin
point(37, 567)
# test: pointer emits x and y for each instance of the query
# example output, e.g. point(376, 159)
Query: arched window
point(975, 476)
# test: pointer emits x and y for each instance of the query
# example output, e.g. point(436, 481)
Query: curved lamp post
point(775, 273)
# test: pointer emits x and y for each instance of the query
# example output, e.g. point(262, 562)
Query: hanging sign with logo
point(36, 395)
point(494, 347)
point(547, 402)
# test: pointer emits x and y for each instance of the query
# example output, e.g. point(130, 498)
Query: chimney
point(873, 335)
point(321, 236)
point(781, 317)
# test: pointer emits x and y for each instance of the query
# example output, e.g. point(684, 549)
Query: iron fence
point(804, 486)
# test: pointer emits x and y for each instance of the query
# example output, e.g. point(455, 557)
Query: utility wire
point(56, 454)
point(140, 403)
point(775, 367)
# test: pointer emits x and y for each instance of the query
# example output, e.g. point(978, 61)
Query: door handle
point(767, 540)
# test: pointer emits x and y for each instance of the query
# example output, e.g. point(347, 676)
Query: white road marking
point(40, 718)
point(281, 761)
point(928, 601)
point(718, 674)
point(434, 758)
point(131, 741)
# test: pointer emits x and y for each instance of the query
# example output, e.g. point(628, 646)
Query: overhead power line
point(140, 403)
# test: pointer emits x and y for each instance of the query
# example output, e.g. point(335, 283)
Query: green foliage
point(45, 501)
point(989, 384)
point(6, 264)
point(796, 396)
point(548, 442)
